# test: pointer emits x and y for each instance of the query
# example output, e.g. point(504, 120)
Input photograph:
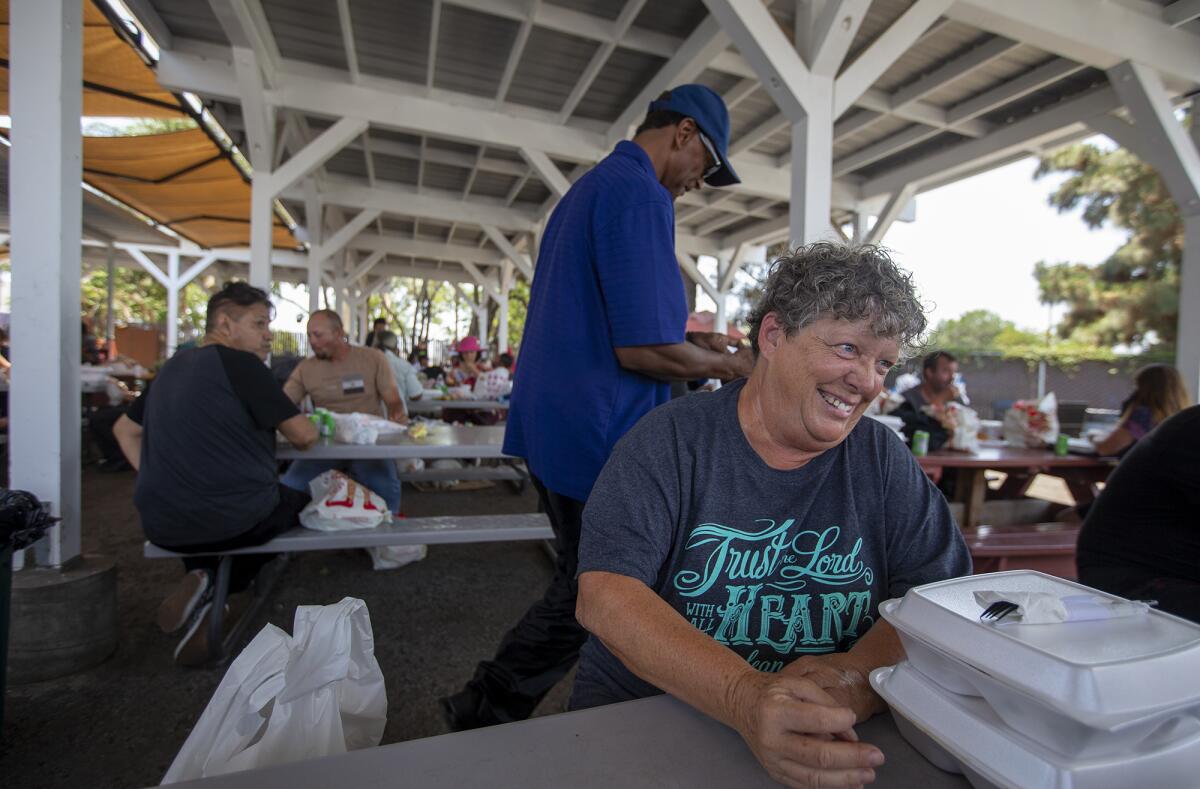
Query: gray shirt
point(773, 564)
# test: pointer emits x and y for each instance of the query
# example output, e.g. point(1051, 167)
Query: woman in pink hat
point(466, 366)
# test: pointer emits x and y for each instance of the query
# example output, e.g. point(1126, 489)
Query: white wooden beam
point(364, 268)
point(195, 270)
point(1181, 12)
point(690, 58)
point(426, 204)
point(313, 155)
point(151, 22)
point(884, 51)
point(971, 155)
point(489, 287)
point(547, 170)
point(760, 41)
point(343, 236)
point(1029, 82)
point(623, 22)
point(1096, 34)
point(343, 7)
point(1141, 90)
point(891, 211)
point(688, 264)
point(515, 53)
point(523, 263)
point(824, 38)
point(149, 265)
point(954, 69)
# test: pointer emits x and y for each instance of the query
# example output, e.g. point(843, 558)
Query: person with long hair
point(1158, 394)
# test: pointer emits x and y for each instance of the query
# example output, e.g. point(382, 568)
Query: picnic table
point(424, 406)
point(1080, 472)
point(652, 742)
point(442, 441)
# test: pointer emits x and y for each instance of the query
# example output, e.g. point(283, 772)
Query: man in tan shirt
point(345, 379)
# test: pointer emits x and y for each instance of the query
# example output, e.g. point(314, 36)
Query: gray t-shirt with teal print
point(773, 564)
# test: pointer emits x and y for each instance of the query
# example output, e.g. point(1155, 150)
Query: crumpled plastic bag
point(341, 504)
point(965, 423)
point(389, 557)
point(1032, 424)
point(358, 428)
point(318, 692)
point(1043, 608)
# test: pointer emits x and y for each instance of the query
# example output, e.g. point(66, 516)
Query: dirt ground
point(121, 723)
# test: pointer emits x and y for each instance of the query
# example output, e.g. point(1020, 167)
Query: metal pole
point(172, 303)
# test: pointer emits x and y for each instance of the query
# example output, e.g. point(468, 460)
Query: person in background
point(467, 366)
point(90, 352)
point(406, 376)
point(937, 388)
point(1141, 538)
point(5, 351)
point(379, 326)
point(495, 382)
point(202, 438)
point(737, 544)
point(1158, 394)
point(430, 371)
point(344, 379)
point(604, 336)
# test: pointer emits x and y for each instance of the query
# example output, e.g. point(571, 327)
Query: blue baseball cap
point(703, 105)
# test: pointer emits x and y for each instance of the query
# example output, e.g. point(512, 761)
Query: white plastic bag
point(389, 557)
point(359, 428)
point(1032, 424)
point(340, 504)
point(318, 692)
point(965, 433)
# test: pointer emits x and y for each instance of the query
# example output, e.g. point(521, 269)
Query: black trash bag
point(915, 420)
point(23, 519)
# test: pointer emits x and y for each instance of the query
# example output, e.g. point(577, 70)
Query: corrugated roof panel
point(778, 143)
point(618, 84)
point(189, 19)
point(504, 154)
point(879, 129)
point(391, 135)
point(606, 9)
point(1000, 70)
point(347, 162)
point(466, 235)
point(307, 31)
point(752, 111)
point(676, 18)
point(929, 53)
point(535, 192)
point(472, 50)
point(394, 168)
point(391, 37)
point(879, 18)
point(718, 80)
point(395, 224)
point(445, 176)
point(1066, 88)
point(552, 64)
point(492, 184)
point(451, 145)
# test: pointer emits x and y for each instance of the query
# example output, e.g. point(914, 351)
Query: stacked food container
point(1103, 704)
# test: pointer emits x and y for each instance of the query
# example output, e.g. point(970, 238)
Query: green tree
point(979, 331)
point(1133, 296)
point(139, 298)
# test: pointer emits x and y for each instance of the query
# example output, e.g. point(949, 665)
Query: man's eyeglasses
point(712, 151)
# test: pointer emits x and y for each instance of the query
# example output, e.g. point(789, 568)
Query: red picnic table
point(1080, 472)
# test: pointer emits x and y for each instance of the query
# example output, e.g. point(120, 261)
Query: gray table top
point(652, 742)
point(424, 406)
point(442, 441)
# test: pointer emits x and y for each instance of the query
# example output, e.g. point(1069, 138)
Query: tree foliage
point(978, 331)
point(1133, 296)
point(139, 298)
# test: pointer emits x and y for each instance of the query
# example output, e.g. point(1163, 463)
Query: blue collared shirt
point(606, 278)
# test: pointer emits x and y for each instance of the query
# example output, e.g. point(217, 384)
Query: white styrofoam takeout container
point(1107, 674)
point(962, 734)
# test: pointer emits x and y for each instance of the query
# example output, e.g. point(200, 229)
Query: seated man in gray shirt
point(202, 438)
point(737, 544)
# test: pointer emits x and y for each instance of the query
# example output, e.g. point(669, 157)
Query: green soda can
point(1061, 445)
point(920, 443)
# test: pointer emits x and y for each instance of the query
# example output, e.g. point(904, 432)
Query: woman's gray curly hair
point(848, 281)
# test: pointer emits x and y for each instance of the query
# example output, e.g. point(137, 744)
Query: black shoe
point(462, 710)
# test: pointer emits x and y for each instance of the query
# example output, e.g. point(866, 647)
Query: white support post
point(860, 227)
point(110, 254)
point(173, 286)
point(262, 229)
point(506, 280)
point(812, 166)
point(688, 264)
point(1176, 156)
point(46, 101)
point(314, 218)
point(551, 176)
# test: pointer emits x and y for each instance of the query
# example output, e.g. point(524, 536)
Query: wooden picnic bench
point(435, 530)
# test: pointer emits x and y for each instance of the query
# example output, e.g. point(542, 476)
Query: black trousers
point(284, 517)
point(544, 645)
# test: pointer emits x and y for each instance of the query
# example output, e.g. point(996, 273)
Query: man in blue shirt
point(603, 337)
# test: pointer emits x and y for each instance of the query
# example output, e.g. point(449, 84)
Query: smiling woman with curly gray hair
point(737, 545)
point(850, 282)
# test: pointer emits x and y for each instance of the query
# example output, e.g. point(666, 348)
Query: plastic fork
point(997, 611)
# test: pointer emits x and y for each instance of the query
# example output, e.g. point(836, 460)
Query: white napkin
point(1043, 608)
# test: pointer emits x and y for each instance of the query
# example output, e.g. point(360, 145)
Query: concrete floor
point(121, 723)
